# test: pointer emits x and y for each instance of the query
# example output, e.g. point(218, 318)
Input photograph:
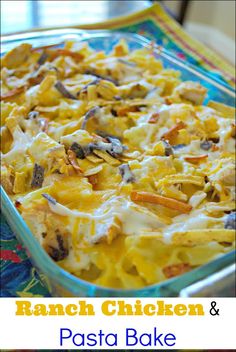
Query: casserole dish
point(59, 281)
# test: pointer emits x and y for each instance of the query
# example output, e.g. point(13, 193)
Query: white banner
point(117, 323)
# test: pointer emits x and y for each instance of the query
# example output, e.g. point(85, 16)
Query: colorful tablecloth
point(18, 276)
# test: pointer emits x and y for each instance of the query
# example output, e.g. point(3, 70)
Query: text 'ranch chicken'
point(121, 173)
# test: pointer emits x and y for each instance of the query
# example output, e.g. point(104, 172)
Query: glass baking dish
point(58, 281)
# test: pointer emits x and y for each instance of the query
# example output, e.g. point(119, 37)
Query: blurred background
point(212, 22)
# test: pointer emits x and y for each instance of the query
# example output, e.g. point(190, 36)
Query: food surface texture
point(119, 168)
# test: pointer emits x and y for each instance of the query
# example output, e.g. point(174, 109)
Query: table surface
point(36, 13)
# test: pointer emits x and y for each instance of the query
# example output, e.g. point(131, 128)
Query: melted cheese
point(109, 239)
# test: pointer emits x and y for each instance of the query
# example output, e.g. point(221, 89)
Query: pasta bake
point(119, 168)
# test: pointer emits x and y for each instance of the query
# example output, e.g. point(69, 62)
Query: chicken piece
point(191, 91)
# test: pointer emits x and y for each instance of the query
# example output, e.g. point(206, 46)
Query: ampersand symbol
point(213, 310)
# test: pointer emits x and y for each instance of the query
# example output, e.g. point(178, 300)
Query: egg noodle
point(120, 172)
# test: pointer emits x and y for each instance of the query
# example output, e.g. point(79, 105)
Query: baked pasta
point(123, 175)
